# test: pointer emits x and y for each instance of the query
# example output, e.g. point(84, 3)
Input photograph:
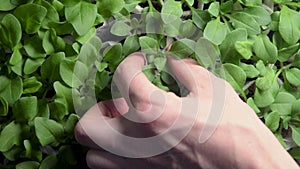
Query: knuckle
point(140, 104)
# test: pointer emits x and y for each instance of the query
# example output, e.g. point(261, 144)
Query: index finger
point(194, 77)
point(132, 83)
point(96, 115)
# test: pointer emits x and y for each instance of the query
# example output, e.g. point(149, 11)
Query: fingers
point(90, 124)
point(132, 82)
point(114, 108)
point(102, 159)
point(194, 77)
point(102, 127)
point(172, 159)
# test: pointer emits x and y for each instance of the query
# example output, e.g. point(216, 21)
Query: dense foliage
point(52, 65)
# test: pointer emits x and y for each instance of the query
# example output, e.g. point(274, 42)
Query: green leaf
point(101, 66)
point(53, 43)
point(71, 123)
point(6, 5)
point(272, 121)
point(261, 15)
point(10, 136)
point(226, 6)
point(31, 65)
point(260, 65)
point(58, 109)
point(50, 68)
point(200, 18)
point(108, 7)
point(28, 148)
point(113, 56)
point(102, 79)
point(264, 49)
point(278, 41)
point(250, 70)
point(292, 76)
point(288, 28)
point(69, 2)
point(31, 17)
point(82, 16)
point(243, 20)
point(131, 45)
point(215, 31)
point(168, 78)
point(43, 108)
point(160, 63)
point(235, 76)
point(73, 74)
point(285, 121)
point(275, 21)
point(296, 61)
point(296, 107)
point(296, 135)
point(31, 85)
point(267, 80)
point(214, 8)
point(51, 16)
point(89, 52)
point(3, 107)
point(148, 70)
point(25, 109)
point(182, 48)
point(88, 36)
point(47, 130)
point(17, 68)
point(148, 45)
point(207, 53)
point(244, 48)
point(13, 154)
point(64, 94)
point(16, 57)
point(33, 47)
point(187, 29)
point(251, 2)
point(285, 54)
point(11, 89)
point(154, 23)
point(295, 152)
point(10, 31)
point(49, 162)
point(283, 103)
point(263, 98)
point(171, 10)
point(28, 165)
point(227, 48)
point(61, 28)
point(252, 104)
point(120, 28)
point(190, 2)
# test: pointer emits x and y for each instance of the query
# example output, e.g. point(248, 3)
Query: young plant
point(57, 59)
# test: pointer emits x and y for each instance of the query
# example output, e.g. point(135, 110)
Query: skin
point(237, 139)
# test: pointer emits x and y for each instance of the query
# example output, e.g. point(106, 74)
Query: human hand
point(209, 128)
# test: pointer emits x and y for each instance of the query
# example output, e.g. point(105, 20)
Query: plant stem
point(151, 6)
point(161, 2)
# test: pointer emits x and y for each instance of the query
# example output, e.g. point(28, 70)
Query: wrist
point(264, 151)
